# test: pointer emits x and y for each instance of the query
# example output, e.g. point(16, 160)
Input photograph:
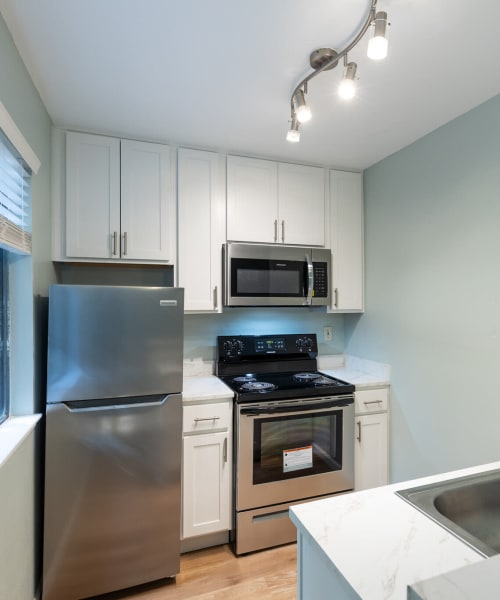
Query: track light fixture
point(301, 111)
point(347, 87)
point(325, 59)
point(293, 134)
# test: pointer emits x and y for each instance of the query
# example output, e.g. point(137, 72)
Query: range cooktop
point(274, 367)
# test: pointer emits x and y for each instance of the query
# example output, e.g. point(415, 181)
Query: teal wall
point(20, 524)
point(432, 218)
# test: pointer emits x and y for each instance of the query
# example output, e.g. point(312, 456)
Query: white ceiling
point(218, 74)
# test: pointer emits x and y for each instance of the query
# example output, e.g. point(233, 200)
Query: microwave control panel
point(320, 271)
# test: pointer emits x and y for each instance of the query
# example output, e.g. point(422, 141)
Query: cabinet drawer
point(206, 417)
point(370, 401)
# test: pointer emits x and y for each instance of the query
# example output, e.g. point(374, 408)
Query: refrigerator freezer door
point(112, 495)
point(108, 342)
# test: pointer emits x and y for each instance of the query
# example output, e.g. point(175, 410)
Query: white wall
point(432, 248)
point(20, 474)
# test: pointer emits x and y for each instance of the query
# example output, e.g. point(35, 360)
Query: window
point(15, 239)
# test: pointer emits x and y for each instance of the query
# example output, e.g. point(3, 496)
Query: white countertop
point(381, 544)
point(204, 388)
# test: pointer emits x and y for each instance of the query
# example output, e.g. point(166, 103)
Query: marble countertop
point(200, 384)
point(380, 543)
point(205, 388)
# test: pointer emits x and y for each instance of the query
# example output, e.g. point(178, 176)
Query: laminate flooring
point(216, 574)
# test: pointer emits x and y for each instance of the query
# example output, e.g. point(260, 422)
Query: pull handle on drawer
point(198, 419)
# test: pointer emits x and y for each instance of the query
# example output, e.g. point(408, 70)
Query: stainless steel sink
point(468, 507)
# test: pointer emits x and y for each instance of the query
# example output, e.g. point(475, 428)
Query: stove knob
point(227, 347)
point(237, 345)
point(308, 343)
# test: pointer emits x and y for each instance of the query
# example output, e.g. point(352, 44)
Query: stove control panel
point(242, 347)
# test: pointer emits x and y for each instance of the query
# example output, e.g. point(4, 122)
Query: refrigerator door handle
point(80, 406)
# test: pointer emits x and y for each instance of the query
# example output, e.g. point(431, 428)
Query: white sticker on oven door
point(295, 459)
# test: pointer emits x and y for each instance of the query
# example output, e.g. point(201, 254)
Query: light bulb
point(377, 46)
point(303, 113)
point(293, 135)
point(347, 87)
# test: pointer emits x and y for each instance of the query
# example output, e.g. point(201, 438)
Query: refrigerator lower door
point(112, 495)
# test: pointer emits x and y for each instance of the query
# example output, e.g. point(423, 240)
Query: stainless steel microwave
point(274, 275)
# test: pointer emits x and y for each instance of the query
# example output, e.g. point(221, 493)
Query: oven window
point(286, 447)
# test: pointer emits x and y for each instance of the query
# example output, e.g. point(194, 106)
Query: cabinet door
point(200, 202)
point(301, 202)
point(371, 451)
point(252, 200)
point(92, 196)
point(206, 484)
point(146, 221)
point(346, 221)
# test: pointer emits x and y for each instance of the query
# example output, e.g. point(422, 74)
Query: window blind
point(15, 199)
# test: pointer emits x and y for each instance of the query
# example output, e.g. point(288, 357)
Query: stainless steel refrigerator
point(113, 438)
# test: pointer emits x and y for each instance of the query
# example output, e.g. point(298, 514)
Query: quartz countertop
point(205, 388)
point(381, 544)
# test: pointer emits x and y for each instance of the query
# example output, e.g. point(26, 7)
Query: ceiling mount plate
point(321, 56)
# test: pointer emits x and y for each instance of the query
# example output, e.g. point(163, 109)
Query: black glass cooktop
point(305, 384)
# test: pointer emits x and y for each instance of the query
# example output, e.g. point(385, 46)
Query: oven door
point(292, 450)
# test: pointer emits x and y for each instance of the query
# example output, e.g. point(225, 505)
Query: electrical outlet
point(327, 333)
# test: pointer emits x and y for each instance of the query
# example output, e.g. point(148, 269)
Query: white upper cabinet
point(145, 217)
point(271, 202)
point(301, 204)
point(92, 195)
point(252, 199)
point(346, 241)
point(115, 199)
point(200, 198)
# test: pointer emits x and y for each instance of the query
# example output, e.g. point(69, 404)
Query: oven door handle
point(289, 408)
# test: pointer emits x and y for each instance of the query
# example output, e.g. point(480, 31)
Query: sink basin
point(468, 507)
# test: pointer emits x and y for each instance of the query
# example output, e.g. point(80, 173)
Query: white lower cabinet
point(371, 467)
point(206, 470)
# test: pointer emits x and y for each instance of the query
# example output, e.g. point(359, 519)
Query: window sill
point(13, 431)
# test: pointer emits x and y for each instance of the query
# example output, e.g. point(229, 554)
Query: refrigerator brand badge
point(168, 302)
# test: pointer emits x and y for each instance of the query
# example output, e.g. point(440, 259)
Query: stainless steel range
point(293, 433)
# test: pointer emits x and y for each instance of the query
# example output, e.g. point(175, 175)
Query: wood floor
point(216, 574)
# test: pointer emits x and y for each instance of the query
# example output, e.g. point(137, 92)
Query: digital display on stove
point(269, 345)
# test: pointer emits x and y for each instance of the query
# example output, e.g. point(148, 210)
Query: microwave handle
point(310, 280)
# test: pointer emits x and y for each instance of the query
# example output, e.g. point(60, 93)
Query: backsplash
point(201, 331)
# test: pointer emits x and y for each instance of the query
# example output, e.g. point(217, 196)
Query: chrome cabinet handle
point(358, 437)
point(310, 280)
point(275, 230)
point(283, 231)
point(125, 243)
point(198, 419)
point(224, 450)
point(215, 297)
point(115, 242)
point(336, 301)
point(367, 402)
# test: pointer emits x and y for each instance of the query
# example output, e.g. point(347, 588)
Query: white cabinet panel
point(301, 202)
point(206, 481)
point(346, 240)
point(144, 201)
point(200, 196)
point(252, 200)
point(92, 195)
point(371, 450)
